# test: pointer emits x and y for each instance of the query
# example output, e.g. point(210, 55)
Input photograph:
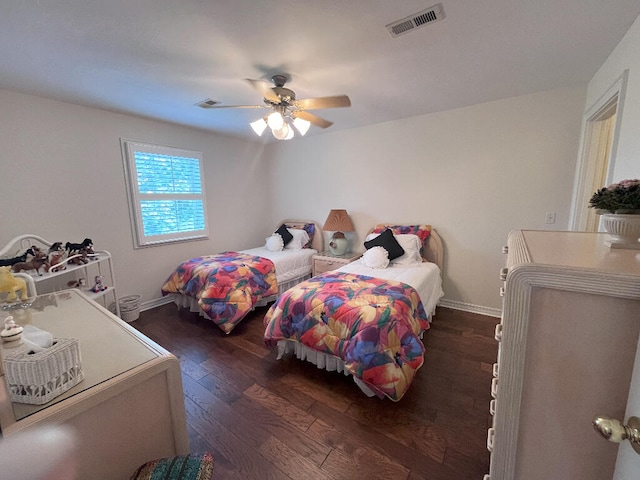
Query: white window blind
point(166, 193)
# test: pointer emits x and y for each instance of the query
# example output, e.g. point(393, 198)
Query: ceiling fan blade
point(324, 102)
point(265, 90)
point(313, 119)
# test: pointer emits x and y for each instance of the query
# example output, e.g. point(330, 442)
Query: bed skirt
point(184, 301)
point(329, 362)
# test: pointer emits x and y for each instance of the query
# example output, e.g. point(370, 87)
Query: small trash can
point(129, 307)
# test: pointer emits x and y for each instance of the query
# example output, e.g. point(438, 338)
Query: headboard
point(432, 250)
point(317, 242)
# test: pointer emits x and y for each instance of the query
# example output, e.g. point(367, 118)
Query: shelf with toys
point(56, 266)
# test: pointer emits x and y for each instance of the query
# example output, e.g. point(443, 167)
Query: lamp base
point(338, 245)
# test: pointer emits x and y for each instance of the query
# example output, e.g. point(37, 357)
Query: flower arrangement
point(622, 197)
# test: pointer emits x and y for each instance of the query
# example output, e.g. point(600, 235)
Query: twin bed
point(225, 287)
point(365, 319)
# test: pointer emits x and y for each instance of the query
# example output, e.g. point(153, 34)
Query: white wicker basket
point(130, 307)
point(37, 378)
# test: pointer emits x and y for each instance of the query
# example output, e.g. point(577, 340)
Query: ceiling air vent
point(208, 103)
point(420, 19)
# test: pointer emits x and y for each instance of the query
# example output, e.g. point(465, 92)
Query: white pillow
point(299, 240)
point(376, 257)
point(274, 243)
point(370, 237)
point(411, 245)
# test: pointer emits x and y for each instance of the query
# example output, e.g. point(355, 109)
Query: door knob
point(614, 431)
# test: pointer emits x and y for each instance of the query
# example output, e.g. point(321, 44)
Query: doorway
point(601, 129)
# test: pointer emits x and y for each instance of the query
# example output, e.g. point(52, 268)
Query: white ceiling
point(157, 58)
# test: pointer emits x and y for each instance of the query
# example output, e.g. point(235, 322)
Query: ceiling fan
point(287, 113)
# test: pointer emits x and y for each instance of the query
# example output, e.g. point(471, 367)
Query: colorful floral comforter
point(373, 325)
point(227, 285)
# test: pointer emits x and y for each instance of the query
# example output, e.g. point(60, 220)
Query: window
point(166, 193)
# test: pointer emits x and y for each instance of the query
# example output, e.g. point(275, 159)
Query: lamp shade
point(338, 221)
point(301, 125)
point(259, 126)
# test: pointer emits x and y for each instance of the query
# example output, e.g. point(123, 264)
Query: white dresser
point(567, 343)
point(129, 408)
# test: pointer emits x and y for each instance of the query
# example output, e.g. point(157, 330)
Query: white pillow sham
point(274, 243)
point(411, 245)
point(299, 240)
point(376, 257)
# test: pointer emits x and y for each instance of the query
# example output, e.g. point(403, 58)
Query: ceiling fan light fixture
point(283, 133)
point(301, 125)
point(259, 126)
point(275, 120)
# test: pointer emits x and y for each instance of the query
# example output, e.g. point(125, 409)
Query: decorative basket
point(129, 307)
point(37, 378)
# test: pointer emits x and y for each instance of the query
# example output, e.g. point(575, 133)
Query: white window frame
point(140, 240)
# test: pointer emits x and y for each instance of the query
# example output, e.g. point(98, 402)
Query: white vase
point(623, 229)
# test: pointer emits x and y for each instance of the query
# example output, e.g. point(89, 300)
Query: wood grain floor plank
point(280, 406)
point(296, 466)
point(364, 434)
point(237, 452)
point(248, 346)
point(215, 408)
point(316, 392)
point(297, 440)
point(364, 464)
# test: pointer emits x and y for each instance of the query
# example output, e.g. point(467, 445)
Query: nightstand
point(325, 261)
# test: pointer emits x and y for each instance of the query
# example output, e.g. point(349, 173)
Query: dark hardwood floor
point(263, 418)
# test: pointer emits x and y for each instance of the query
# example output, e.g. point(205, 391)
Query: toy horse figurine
point(11, 285)
point(7, 262)
point(74, 248)
point(36, 263)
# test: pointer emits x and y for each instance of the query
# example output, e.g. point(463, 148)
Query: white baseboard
point(465, 307)
point(156, 302)
point(468, 307)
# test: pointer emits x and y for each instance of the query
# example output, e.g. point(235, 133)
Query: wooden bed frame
point(433, 250)
point(317, 243)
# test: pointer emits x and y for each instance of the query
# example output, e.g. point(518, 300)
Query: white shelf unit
point(59, 276)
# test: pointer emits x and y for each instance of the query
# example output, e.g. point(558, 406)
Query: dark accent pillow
point(195, 466)
point(387, 241)
point(284, 233)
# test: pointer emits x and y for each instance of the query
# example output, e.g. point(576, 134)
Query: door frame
point(615, 94)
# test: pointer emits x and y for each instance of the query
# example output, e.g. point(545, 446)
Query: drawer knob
point(503, 273)
point(490, 436)
point(498, 332)
point(494, 388)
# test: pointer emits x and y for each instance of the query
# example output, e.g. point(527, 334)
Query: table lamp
point(338, 222)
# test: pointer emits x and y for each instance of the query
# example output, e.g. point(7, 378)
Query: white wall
point(62, 178)
point(474, 173)
point(625, 56)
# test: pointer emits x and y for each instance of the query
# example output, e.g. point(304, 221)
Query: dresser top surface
point(579, 250)
point(108, 346)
